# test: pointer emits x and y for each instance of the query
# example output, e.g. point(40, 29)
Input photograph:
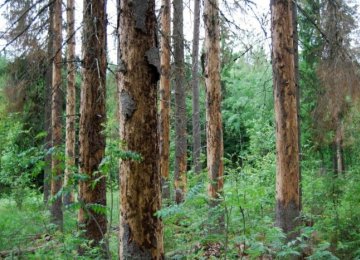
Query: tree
point(285, 99)
point(214, 133)
point(92, 194)
point(180, 105)
point(56, 124)
point(140, 229)
point(196, 90)
point(70, 100)
point(165, 96)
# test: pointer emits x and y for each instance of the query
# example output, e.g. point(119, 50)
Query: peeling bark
point(70, 101)
point(56, 124)
point(92, 119)
point(286, 116)
point(214, 132)
point(140, 197)
point(164, 125)
point(180, 104)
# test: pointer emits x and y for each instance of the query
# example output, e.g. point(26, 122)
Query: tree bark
point(196, 90)
point(165, 96)
point(70, 103)
point(140, 230)
point(56, 124)
point(287, 126)
point(92, 120)
point(180, 104)
point(214, 132)
point(48, 100)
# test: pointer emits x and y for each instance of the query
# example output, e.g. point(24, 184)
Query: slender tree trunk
point(92, 120)
point(48, 100)
point(140, 230)
point(70, 102)
point(287, 126)
point(56, 124)
point(339, 157)
point(180, 104)
point(214, 133)
point(165, 97)
point(196, 91)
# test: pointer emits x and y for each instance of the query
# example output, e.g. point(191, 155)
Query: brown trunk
point(48, 100)
point(56, 169)
point(70, 104)
point(92, 118)
point(140, 230)
point(165, 97)
point(214, 133)
point(339, 157)
point(180, 104)
point(287, 126)
point(196, 91)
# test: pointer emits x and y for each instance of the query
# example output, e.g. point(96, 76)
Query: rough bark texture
point(92, 119)
point(165, 97)
point(195, 88)
point(214, 133)
point(56, 169)
point(180, 105)
point(140, 198)
point(285, 96)
point(48, 100)
point(70, 101)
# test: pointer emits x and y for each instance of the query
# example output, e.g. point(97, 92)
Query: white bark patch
point(127, 104)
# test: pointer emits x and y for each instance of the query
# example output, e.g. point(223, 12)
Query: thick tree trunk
point(180, 104)
point(92, 119)
point(56, 124)
point(165, 97)
point(195, 89)
point(140, 230)
point(70, 102)
point(287, 126)
point(48, 100)
point(214, 133)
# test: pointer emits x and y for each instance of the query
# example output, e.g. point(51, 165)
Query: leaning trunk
point(196, 91)
point(56, 124)
point(165, 97)
point(180, 104)
point(214, 133)
point(140, 198)
point(92, 194)
point(70, 104)
point(287, 126)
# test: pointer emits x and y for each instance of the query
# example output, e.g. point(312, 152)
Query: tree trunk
point(48, 100)
point(196, 91)
point(339, 155)
point(70, 103)
point(180, 104)
point(287, 126)
point(165, 97)
point(92, 119)
point(214, 133)
point(140, 230)
point(56, 124)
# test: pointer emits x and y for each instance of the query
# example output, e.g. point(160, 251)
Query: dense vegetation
point(330, 195)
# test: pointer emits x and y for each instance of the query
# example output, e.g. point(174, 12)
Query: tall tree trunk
point(195, 89)
point(338, 151)
point(214, 133)
point(165, 97)
point(140, 230)
point(297, 84)
point(92, 119)
point(48, 100)
point(180, 104)
point(56, 124)
point(287, 126)
point(70, 102)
